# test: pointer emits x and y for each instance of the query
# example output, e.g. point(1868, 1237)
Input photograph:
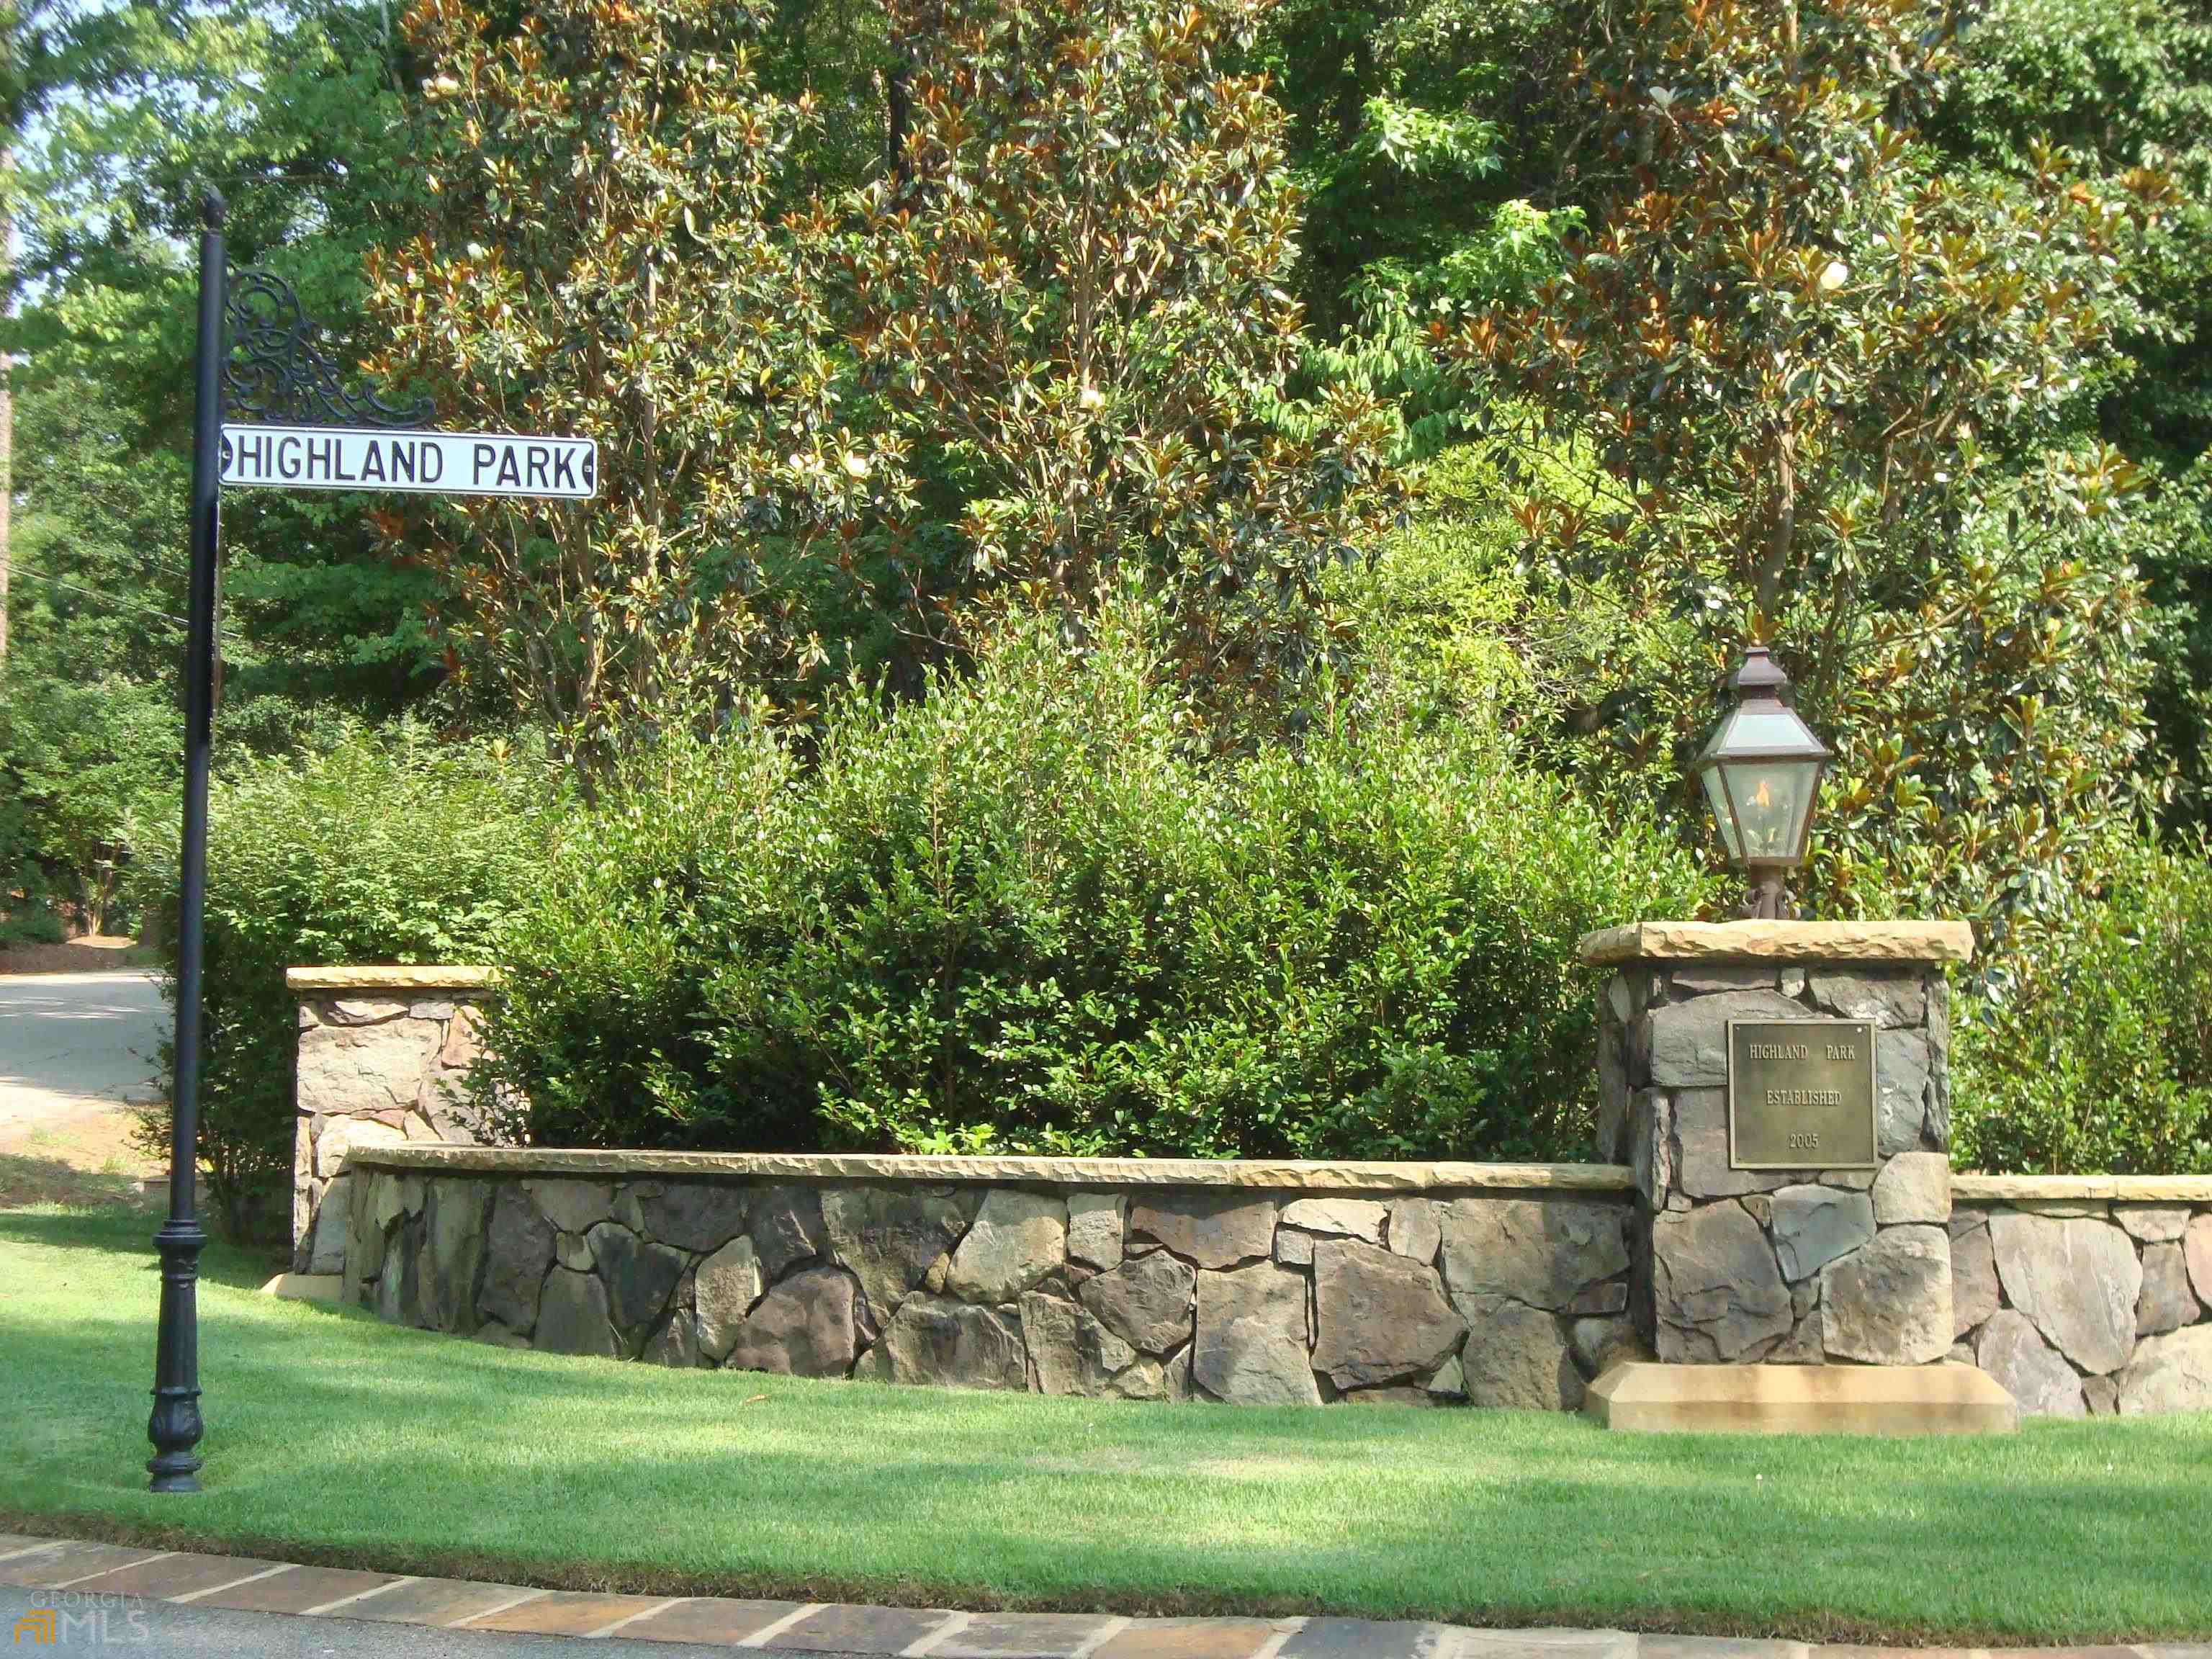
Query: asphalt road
point(188, 1632)
point(75, 1045)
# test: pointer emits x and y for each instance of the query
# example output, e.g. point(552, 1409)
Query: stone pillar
point(1800, 1267)
point(383, 1057)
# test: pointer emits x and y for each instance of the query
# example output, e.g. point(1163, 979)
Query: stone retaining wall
point(2081, 1303)
point(1259, 1284)
point(382, 1054)
point(1415, 1283)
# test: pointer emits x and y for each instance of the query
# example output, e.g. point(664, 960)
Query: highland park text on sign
point(432, 463)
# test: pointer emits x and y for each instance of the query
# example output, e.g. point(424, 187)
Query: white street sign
point(424, 463)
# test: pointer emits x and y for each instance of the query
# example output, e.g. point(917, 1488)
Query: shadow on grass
point(125, 1226)
point(27, 1178)
point(333, 1438)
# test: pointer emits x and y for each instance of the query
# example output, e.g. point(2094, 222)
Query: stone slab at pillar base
point(306, 1287)
point(1638, 1396)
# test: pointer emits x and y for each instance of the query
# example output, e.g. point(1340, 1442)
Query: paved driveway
point(76, 1050)
point(76, 1037)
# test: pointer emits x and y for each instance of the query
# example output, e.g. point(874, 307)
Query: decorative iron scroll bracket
point(276, 373)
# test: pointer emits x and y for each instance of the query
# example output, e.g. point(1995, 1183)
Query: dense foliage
point(1027, 354)
point(1425, 134)
point(2098, 1054)
point(385, 846)
point(297, 114)
point(1070, 294)
point(87, 725)
point(2118, 85)
point(2123, 85)
point(1022, 914)
point(1797, 384)
point(118, 116)
point(603, 260)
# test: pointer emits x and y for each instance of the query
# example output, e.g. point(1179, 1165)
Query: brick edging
point(74, 1568)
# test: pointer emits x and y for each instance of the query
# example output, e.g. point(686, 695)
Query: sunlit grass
point(331, 1437)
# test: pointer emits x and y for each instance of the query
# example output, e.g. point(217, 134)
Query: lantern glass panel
point(1717, 798)
point(1773, 801)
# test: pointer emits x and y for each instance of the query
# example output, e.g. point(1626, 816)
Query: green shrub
point(29, 920)
point(1025, 913)
point(87, 768)
point(388, 847)
point(2096, 1053)
point(605, 1023)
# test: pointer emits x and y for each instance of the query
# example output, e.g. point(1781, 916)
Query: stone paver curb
point(238, 1582)
point(78, 1567)
point(761, 1636)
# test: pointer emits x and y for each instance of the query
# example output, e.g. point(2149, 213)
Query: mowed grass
point(332, 1438)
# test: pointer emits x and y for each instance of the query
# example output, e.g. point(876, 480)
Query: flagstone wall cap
point(1778, 941)
point(1282, 1175)
point(2095, 1189)
point(428, 976)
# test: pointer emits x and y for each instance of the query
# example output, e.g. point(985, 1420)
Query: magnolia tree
point(1071, 294)
point(606, 259)
point(1797, 384)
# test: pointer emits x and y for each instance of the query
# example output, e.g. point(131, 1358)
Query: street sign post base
point(175, 1427)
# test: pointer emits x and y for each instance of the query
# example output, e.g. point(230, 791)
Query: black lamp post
point(174, 1426)
point(1761, 772)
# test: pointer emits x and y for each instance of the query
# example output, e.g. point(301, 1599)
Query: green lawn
point(333, 1437)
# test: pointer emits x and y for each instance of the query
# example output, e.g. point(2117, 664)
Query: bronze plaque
point(1801, 1094)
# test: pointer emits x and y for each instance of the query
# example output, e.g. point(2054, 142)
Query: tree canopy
point(1872, 326)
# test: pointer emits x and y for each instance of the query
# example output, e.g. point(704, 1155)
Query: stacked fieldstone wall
point(1796, 1267)
point(1400, 1283)
point(2086, 1304)
point(383, 1055)
point(1262, 1285)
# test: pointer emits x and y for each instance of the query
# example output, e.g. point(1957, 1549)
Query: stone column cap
point(425, 976)
point(1778, 941)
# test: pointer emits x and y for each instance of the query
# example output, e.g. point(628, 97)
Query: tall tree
point(2120, 85)
point(301, 115)
point(604, 260)
point(1823, 386)
point(1071, 293)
